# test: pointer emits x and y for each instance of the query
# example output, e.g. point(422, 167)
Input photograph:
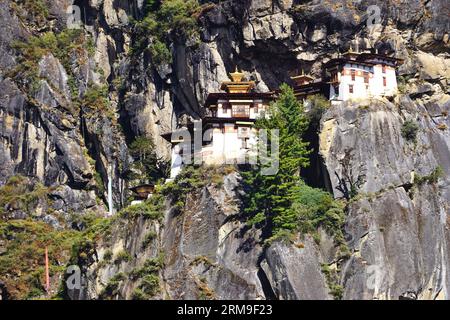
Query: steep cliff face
point(54, 130)
point(398, 225)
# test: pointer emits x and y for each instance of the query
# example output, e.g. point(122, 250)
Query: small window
point(366, 77)
point(353, 73)
point(350, 88)
point(384, 81)
point(383, 68)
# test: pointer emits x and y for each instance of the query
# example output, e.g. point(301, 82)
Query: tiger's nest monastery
point(227, 129)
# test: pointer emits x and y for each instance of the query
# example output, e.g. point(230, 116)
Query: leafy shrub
point(122, 256)
point(336, 290)
point(21, 194)
point(138, 294)
point(37, 10)
point(108, 255)
point(160, 53)
point(149, 237)
point(165, 21)
point(433, 177)
point(148, 274)
point(150, 284)
point(147, 161)
point(409, 130)
point(95, 103)
point(96, 97)
point(112, 287)
point(153, 208)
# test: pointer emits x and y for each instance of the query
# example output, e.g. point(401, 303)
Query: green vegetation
point(193, 178)
point(433, 177)
point(164, 21)
point(160, 53)
point(152, 208)
point(138, 294)
point(96, 98)
point(112, 287)
point(150, 266)
point(336, 290)
point(153, 169)
point(149, 237)
point(37, 10)
point(313, 208)
point(409, 130)
point(95, 103)
point(108, 255)
point(282, 204)
point(22, 263)
point(150, 284)
point(21, 194)
point(122, 256)
point(148, 274)
point(62, 45)
point(318, 106)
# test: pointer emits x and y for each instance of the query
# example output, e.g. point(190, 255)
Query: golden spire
point(237, 85)
point(237, 76)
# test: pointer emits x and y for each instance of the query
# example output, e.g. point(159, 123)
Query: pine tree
point(269, 198)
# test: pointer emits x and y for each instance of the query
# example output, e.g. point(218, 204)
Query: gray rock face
point(400, 244)
point(397, 227)
point(295, 273)
point(202, 244)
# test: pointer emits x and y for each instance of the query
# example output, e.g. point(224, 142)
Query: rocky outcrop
point(294, 272)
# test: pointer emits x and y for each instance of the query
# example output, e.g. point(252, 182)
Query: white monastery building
point(353, 76)
point(226, 133)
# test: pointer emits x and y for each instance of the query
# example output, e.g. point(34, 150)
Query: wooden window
point(366, 77)
point(353, 73)
point(384, 81)
point(241, 111)
point(350, 88)
point(334, 77)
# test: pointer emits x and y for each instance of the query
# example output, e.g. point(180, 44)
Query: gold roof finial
point(237, 85)
point(237, 76)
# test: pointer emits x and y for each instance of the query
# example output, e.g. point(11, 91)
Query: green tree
point(143, 151)
point(282, 204)
point(409, 130)
point(269, 198)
